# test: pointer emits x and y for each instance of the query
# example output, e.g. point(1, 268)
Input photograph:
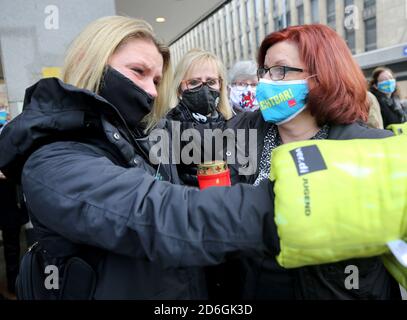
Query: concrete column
point(340, 16)
point(191, 40)
point(294, 12)
point(260, 19)
point(218, 36)
point(322, 12)
point(391, 20)
point(195, 37)
point(252, 31)
point(211, 38)
point(225, 54)
point(229, 35)
point(35, 35)
point(360, 31)
point(207, 35)
point(236, 29)
point(244, 30)
point(270, 16)
point(201, 36)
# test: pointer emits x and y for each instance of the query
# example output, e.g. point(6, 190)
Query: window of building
point(232, 25)
point(241, 47)
point(256, 21)
point(314, 11)
point(288, 13)
point(350, 40)
point(256, 7)
point(246, 10)
point(276, 23)
point(275, 8)
point(348, 3)
point(239, 21)
point(370, 34)
point(212, 37)
point(220, 39)
point(225, 31)
point(300, 14)
point(257, 36)
point(199, 41)
point(331, 13)
point(266, 5)
point(369, 3)
point(369, 17)
point(266, 27)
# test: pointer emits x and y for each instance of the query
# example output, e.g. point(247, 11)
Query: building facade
point(236, 30)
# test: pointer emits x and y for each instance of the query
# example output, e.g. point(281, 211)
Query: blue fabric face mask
point(387, 86)
point(3, 117)
point(281, 101)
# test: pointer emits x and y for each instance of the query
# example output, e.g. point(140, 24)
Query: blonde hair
point(89, 53)
point(194, 57)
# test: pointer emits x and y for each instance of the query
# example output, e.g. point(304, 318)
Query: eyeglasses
point(197, 84)
point(243, 85)
point(276, 73)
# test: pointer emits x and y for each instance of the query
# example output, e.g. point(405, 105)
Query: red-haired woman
point(309, 88)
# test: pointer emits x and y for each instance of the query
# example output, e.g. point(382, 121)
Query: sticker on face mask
point(281, 101)
point(244, 99)
point(292, 103)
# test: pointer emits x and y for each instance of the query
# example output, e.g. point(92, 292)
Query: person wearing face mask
point(384, 86)
point(199, 90)
point(199, 101)
point(310, 88)
point(4, 117)
point(242, 88)
point(115, 222)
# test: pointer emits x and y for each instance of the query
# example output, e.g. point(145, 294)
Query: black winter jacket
point(263, 278)
point(12, 210)
point(390, 108)
point(88, 181)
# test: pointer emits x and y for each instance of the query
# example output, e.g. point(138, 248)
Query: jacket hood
point(52, 111)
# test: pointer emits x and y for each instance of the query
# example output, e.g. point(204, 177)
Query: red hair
point(338, 92)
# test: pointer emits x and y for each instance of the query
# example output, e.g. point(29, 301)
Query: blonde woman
point(94, 194)
point(199, 91)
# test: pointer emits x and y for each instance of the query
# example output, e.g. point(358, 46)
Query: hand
point(188, 174)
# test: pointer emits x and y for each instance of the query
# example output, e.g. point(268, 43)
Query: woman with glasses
point(119, 224)
point(242, 88)
point(199, 99)
point(309, 87)
point(199, 89)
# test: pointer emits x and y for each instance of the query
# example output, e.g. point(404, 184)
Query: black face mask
point(131, 101)
point(203, 101)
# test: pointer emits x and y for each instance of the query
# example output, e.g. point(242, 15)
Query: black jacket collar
point(54, 110)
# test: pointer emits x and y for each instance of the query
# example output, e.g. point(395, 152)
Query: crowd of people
point(142, 230)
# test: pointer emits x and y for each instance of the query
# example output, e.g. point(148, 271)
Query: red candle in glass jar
point(213, 174)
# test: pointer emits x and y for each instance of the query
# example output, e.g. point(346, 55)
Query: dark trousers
point(11, 243)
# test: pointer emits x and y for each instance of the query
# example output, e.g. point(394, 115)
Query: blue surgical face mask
point(281, 101)
point(387, 86)
point(3, 117)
